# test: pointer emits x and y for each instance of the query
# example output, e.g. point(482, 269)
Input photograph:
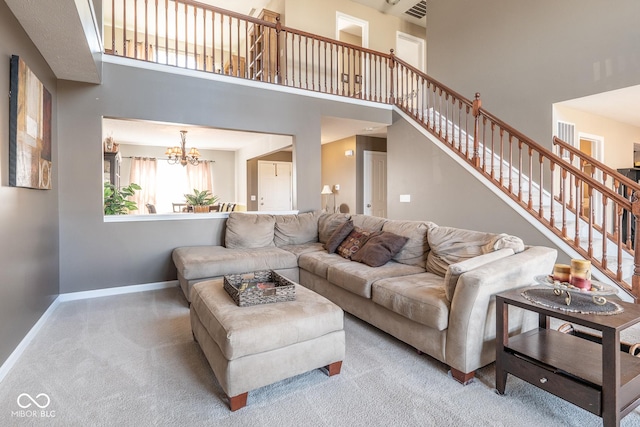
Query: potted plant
point(115, 199)
point(200, 200)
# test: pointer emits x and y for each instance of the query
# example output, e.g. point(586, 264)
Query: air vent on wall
point(566, 132)
point(419, 10)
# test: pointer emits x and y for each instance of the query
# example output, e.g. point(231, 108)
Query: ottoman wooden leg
point(334, 368)
point(239, 401)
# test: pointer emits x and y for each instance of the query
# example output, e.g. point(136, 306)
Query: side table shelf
point(596, 376)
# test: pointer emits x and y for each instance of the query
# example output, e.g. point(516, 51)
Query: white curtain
point(144, 173)
point(199, 177)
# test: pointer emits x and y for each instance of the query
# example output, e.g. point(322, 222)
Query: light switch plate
point(405, 198)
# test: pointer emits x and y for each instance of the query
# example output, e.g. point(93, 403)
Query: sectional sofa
point(435, 292)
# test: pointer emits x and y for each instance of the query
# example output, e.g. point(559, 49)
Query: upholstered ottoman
point(250, 347)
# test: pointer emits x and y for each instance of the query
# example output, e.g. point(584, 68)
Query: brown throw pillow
point(353, 242)
point(338, 236)
point(380, 248)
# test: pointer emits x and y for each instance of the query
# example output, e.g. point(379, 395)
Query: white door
point(274, 186)
point(375, 183)
point(410, 49)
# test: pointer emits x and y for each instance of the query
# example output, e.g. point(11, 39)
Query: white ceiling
point(620, 105)
point(139, 132)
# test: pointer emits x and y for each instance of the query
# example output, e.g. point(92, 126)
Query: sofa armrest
point(472, 319)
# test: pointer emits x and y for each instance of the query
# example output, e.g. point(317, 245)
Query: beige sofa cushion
point(455, 270)
point(449, 245)
point(419, 297)
point(368, 222)
point(199, 262)
point(357, 278)
point(318, 262)
point(328, 223)
point(249, 230)
point(416, 249)
point(296, 229)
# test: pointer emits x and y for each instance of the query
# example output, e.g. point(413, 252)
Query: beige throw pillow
point(456, 270)
point(450, 245)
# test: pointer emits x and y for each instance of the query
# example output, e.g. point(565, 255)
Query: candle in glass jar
point(581, 273)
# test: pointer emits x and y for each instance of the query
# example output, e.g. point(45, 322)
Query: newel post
point(392, 64)
point(477, 104)
point(278, 29)
point(635, 281)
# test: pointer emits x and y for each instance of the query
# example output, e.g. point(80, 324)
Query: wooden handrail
point(252, 48)
point(609, 171)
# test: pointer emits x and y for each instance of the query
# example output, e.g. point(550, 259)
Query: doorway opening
point(591, 145)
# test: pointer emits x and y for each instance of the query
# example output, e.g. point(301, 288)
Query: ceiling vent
point(419, 10)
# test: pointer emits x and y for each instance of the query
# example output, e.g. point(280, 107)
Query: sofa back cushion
point(296, 229)
point(249, 230)
point(415, 251)
point(328, 223)
point(449, 245)
point(368, 222)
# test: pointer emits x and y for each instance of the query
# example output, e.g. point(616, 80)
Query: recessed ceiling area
point(140, 132)
point(620, 105)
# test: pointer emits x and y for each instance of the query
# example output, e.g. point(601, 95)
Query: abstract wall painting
point(29, 129)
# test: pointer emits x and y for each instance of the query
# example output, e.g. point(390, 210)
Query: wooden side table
point(592, 374)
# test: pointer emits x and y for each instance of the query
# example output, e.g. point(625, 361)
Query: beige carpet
point(130, 360)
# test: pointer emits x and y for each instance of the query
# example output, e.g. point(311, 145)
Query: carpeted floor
point(130, 360)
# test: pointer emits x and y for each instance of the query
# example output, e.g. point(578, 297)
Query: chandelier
point(179, 154)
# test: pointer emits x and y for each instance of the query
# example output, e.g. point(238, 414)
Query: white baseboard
point(74, 296)
point(15, 355)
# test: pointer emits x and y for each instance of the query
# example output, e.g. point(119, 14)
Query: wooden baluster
point(113, 27)
point(530, 202)
point(579, 207)
point(616, 226)
point(618, 221)
point(205, 66)
point(186, 36)
point(135, 29)
point(519, 170)
point(392, 64)
point(477, 104)
point(590, 220)
point(541, 188)
point(326, 89)
point(510, 177)
point(176, 32)
point(572, 177)
point(195, 37)
point(552, 166)
point(562, 194)
point(299, 61)
point(146, 30)
point(635, 210)
point(124, 29)
point(501, 156)
point(605, 239)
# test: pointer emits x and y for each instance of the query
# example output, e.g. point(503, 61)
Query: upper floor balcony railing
point(595, 212)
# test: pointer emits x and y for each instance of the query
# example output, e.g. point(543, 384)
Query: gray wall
point(29, 275)
point(444, 192)
point(97, 255)
point(523, 56)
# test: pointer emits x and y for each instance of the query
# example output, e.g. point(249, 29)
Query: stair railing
point(544, 184)
point(188, 34)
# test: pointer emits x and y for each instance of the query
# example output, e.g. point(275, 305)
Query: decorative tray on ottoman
point(260, 287)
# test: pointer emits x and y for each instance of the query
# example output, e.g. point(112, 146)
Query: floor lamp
point(326, 190)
